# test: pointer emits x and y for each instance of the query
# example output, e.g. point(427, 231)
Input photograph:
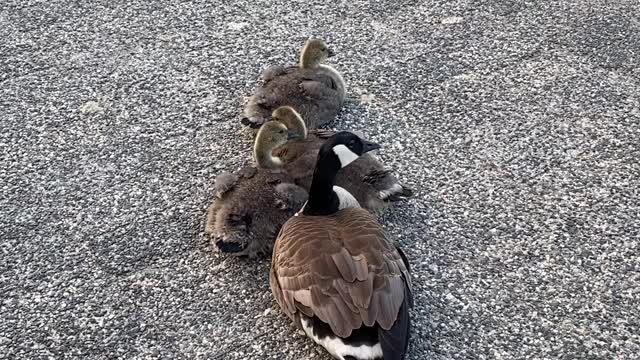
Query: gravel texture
point(518, 123)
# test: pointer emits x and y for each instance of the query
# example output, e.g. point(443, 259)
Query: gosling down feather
point(254, 202)
point(315, 89)
point(373, 185)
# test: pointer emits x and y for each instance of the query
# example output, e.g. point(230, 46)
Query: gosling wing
point(312, 93)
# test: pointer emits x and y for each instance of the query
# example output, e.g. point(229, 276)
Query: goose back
point(343, 270)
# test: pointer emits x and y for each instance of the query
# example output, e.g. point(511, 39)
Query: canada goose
point(334, 271)
point(317, 90)
point(253, 203)
point(366, 178)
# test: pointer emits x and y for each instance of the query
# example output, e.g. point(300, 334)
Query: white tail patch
point(346, 199)
point(345, 155)
point(338, 348)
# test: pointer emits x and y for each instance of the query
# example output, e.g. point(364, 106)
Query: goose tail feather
point(395, 341)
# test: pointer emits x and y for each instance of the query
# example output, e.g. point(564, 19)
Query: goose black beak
point(331, 53)
point(369, 146)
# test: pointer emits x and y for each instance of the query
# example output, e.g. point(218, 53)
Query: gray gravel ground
point(517, 121)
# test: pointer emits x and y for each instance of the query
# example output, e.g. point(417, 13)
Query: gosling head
point(344, 148)
point(291, 119)
point(245, 222)
point(240, 225)
point(271, 135)
point(314, 53)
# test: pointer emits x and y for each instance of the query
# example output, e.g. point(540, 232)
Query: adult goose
point(315, 89)
point(253, 203)
point(373, 185)
point(335, 272)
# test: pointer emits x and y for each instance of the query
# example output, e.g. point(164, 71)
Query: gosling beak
point(369, 146)
point(331, 52)
point(291, 135)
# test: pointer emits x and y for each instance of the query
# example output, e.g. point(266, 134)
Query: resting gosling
point(317, 90)
point(334, 271)
point(366, 178)
point(253, 203)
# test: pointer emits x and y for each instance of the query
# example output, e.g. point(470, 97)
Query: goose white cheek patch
point(345, 155)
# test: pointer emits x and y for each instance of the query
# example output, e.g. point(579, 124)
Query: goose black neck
point(322, 199)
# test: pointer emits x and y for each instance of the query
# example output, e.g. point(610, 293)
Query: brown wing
point(341, 268)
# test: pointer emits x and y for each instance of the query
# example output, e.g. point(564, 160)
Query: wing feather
point(351, 267)
point(352, 274)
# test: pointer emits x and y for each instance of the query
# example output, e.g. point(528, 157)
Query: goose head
point(246, 221)
point(338, 151)
point(314, 53)
point(291, 119)
point(271, 135)
point(343, 148)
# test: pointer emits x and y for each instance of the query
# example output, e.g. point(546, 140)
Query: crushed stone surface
point(517, 122)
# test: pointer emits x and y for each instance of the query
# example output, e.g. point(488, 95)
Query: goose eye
point(351, 143)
